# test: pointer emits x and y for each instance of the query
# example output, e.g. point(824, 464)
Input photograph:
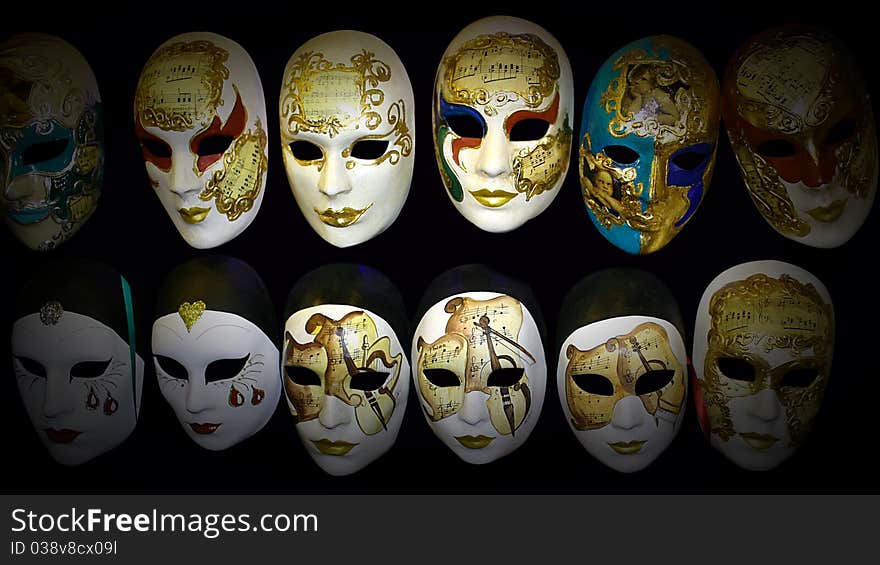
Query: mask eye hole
point(841, 131)
point(800, 378)
point(621, 154)
point(369, 149)
point(464, 125)
point(736, 369)
point(441, 377)
point(505, 377)
point(156, 148)
point(531, 129)
point(89, 369)
point(33, 367)
point(172, 368)
point(652, 381)
point(45, 151)
point(689, 160)
point(214, 145)
point(302, 376)
point(777, 148)
point(594, 384)
point(368, 380)
point(224, 369)
point(306, 150)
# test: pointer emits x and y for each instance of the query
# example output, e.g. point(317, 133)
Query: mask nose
point(818, 169)
point(334, 179)
point(765, 406)
point(31, 187)
point(60, 396)
point(182, 177)
point(494, 159)
point(334, 413)
point(196, 395)
point(474, 409)
point(629, 413)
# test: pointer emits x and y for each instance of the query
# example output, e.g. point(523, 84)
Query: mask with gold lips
point(649, 135)
point(502, 118)
point(51, 140)
point(200, 117)
point(800, 122)
point(622, 372)
point(214, 350)
point(763, 344)
point(75, 360)
point(479, 364)
point(345, 372)
point(347, 135)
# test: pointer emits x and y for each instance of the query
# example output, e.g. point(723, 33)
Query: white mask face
point(347, 134)
point(200, 116)
point(481, 410)
point(503, 109)
point(75, 376)
point(763, 344)
point(218, 371)
point(623, 386)
point(51, 140)
point(343, 367)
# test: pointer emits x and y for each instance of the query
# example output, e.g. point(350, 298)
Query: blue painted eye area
point(46, 152)
point(621, 154)
point(464, 121)
point(686, 166)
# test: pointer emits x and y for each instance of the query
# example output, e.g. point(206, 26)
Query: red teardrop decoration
point(257, 396)
point(236, 398)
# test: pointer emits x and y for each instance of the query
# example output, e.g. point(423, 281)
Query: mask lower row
point(762, 349)
point(796, 107)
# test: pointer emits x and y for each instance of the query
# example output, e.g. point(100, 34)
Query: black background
point(131, 231)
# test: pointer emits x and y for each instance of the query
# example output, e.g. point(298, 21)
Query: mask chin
point(207, 160)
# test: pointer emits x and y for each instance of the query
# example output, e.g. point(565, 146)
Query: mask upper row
point(796, 108)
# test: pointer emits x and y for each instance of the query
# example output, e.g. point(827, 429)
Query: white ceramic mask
point(347, 381)
point(623, 385)
point(347, 135)
point(763, 344)
point(481, 373)
point(218, 371)
point(75, 376)
point(200, 117)
point(503, 111)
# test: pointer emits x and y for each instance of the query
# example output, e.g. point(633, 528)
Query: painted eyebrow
point(549, 115)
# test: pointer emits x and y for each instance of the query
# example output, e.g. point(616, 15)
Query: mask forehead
point(658, 98)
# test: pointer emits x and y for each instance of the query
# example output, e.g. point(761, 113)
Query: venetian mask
point(800, 122)
point(763, 345)
point(200, 117)
point(503, 106)
point(480, 372)
point(216, 362)
point(622, 371)
point(73, 351)
point(648, 140)
point(347, 135)
point(51, 139)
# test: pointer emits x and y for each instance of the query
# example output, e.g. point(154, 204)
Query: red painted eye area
point(211, 143)
point(530, 126)
point(155, 150)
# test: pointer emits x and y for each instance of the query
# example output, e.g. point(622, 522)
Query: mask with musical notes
point(342, 368)
point(218, 371)
point(622, 383)
point(763, 345)
point(503, 105)
point(347, 134)
point(801, 125)
point(648, 139)
point(51, 139)
point(481, 373)
point(200, 117)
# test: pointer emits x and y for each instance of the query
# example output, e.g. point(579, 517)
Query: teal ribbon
point(129, 316)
